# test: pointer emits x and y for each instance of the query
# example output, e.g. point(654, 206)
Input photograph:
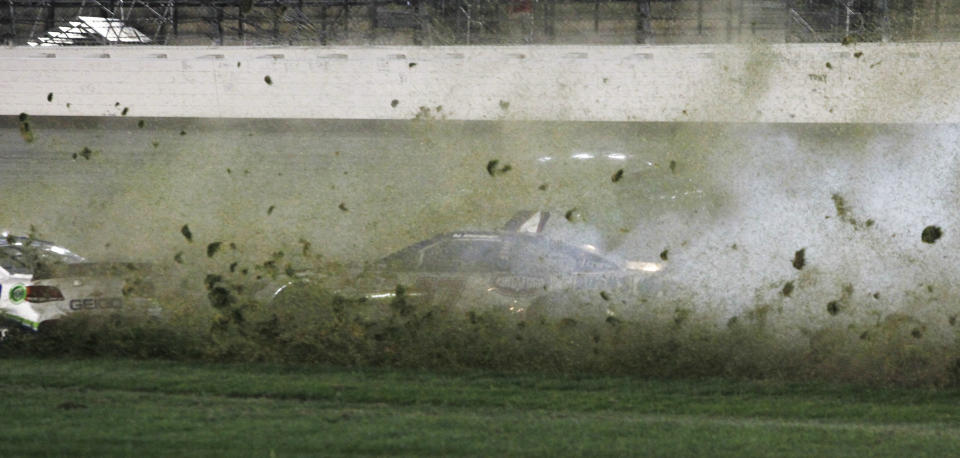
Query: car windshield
point(464, 255)
point(28, 258)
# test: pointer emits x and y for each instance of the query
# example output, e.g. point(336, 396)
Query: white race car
point(40, 282)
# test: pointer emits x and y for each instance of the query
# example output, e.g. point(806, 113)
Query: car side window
point(462, 255)
point(537, 257)
point(542, 257)
point(11, 259)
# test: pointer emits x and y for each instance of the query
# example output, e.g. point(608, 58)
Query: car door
point(458, 270)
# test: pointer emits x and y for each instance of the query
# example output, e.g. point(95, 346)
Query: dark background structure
point(448, 22)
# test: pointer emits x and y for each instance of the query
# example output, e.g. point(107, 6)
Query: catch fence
point(449, 22)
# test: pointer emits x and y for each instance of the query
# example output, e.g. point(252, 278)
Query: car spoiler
point(527, 221)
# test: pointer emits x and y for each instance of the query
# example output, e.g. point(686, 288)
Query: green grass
point(173, 408)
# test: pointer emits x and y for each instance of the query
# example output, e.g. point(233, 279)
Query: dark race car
point(516, 270)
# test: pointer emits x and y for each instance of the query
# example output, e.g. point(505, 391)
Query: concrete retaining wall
point(866, 83)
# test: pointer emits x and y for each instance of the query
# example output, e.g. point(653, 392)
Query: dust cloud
point(732, 204)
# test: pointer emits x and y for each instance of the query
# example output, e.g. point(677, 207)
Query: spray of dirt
point(731, 204)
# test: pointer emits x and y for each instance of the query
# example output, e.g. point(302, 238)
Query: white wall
point(896, 83)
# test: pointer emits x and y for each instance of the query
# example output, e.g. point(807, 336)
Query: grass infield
point(105, 407)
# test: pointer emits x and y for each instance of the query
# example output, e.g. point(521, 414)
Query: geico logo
point(98, 303)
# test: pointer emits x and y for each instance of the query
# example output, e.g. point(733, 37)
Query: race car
point(517, 269)
point(40, 282)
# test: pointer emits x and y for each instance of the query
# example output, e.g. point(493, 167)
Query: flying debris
point(213, 248)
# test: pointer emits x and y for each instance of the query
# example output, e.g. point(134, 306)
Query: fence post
point(346, 19)
point(741, 16)
point(372, 17)
point(787, 20)
point(276, 21)
point(643, 22)
point(13, 22)
point(596, 16)
point(936, 18)
point(323, 24)
point(884, 21)
point(549, 18)
point(699, 17)
point(51, 18)
point(240, 23)
point(219, 19)
point(729, 21)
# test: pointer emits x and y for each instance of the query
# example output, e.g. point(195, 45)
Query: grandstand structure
point(454, 22)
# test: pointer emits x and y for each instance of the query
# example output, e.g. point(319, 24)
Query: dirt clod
point(800, 259)
point(787, 289)
point(843, 211)
point(931, 234)
point(833, 308)
point(25, 131)
point(213, 248)
point(493, 170)
point(617, 176)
